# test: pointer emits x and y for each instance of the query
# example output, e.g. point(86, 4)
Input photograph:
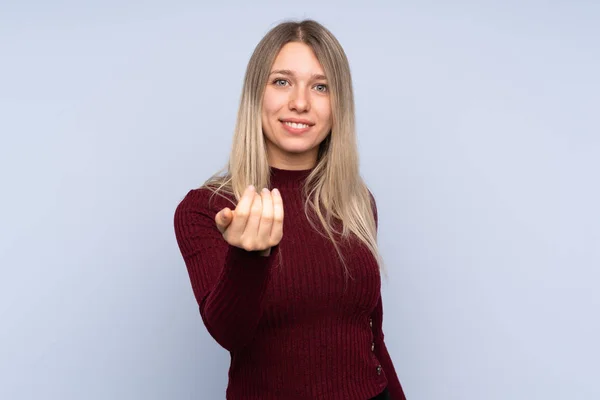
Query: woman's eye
point(321, 88)
point(278, 82)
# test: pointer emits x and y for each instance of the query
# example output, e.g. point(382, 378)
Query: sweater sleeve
point(228, 282)
point(381, 352)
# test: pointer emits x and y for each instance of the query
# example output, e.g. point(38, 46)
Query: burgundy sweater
point(297, 330)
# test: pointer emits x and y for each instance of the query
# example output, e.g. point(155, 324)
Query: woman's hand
point(256, 224)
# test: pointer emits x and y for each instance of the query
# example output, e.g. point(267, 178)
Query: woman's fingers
point(277, 228)
point(242, 213)
point(250, 239)
point(256, 224)
point(266, 219)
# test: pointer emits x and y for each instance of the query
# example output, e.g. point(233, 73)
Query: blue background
point(478, 126)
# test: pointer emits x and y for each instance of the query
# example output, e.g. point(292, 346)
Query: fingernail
point(276, 191)
point(251, 187)
point(265, 190)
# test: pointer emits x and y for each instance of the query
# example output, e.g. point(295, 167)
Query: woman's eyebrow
point(291, 73)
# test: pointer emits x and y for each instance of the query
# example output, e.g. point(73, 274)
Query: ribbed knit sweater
point(295, 331)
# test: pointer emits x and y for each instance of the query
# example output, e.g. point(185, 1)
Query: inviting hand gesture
point(256, 224)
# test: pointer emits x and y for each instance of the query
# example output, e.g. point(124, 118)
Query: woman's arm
point(381, 352)
point(229, 283)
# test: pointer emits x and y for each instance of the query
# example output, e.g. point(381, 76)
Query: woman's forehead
point(298, 60)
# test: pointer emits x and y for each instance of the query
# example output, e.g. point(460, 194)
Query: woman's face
point(296, 109)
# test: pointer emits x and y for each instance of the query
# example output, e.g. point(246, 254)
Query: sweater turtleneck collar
point(286, 178)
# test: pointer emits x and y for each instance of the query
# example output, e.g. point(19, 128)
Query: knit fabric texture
point(297, 329)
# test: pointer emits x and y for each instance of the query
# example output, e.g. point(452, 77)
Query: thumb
point(225, 214)
point(223, 218)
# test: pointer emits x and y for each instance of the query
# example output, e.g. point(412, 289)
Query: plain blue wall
point(478, 125)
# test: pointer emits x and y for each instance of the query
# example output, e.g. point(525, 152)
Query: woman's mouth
point(295, 128)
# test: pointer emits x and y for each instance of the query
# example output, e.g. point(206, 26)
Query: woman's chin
point(296, 149)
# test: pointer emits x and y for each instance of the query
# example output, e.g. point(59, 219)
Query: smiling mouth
point(296, 125)
point(295, 128)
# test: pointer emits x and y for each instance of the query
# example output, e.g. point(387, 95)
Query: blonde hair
point(335, 184)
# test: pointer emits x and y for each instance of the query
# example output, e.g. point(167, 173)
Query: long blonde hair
point(335, 184)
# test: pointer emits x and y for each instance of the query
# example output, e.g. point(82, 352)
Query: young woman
point(296, 300)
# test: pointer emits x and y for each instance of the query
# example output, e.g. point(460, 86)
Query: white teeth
point(295, 125)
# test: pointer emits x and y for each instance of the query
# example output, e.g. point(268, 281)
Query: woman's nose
point(299, 101)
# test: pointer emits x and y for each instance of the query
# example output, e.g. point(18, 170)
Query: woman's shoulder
point(206, 198)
